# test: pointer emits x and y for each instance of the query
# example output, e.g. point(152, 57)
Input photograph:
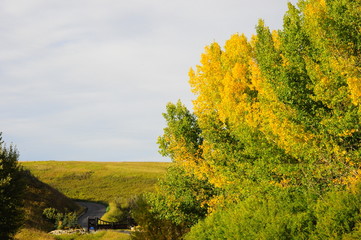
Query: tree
point(179, 202)
point(182, 129)
point(275, 131)
point(11, 190)
point(183, 196)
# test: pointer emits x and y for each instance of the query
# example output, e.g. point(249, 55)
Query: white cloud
point(89, 79)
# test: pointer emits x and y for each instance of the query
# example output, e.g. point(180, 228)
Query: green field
point(99, 181)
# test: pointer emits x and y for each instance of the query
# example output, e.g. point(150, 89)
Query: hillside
point(39, 196)
point(99, 181)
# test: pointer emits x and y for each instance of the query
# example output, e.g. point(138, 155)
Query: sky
point(88, 80)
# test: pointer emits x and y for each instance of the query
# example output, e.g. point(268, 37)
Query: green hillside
point(99, 181)
point(38, 196)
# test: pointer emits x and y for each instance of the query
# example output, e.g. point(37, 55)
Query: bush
point(61, 220)
point(150, 225)
point(282, 215)
point(338, 214)
point(287, 214)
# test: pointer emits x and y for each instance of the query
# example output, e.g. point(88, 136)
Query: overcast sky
point(89, 79)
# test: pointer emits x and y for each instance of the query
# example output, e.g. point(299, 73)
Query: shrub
point(150, 225)
point(338, 214)
point(281, 215)
point(61, 220)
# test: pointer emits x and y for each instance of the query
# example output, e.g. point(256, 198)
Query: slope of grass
point(39, 196)
point(99, 181)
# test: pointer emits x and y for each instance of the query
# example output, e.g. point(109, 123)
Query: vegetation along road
point(93, 210)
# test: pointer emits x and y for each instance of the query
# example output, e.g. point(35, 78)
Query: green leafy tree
point(182, 129)
point(182, 196)
point(275, 132)
point(166, 216)
point(11, 192)
point(150, 225)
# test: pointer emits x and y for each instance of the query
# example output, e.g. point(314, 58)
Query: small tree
point(61, 220)
point(11, 189)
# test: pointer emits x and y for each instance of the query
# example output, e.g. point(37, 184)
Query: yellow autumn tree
point(278, 126)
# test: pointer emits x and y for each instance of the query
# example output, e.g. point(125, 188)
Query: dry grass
point(100, 235)
point(33, 234)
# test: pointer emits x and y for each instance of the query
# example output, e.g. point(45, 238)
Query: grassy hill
point(99, 181)
point(37, 197)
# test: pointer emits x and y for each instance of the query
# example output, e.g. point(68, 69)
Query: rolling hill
point(99, 181)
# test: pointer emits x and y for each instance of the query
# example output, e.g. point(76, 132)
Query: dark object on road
point(97, 223)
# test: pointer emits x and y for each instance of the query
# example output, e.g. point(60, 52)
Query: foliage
point(274, 144)
point(150, 225)
point(177, 205)
point(339, 215)
point(11, 191)
point(282, 216)
point(61, 220)
point(286, 215)
point(182, 128)
point(182, 196)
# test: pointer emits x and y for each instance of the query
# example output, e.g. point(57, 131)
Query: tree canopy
point(275, 138)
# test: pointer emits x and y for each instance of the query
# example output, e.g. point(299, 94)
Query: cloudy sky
point(89, 79)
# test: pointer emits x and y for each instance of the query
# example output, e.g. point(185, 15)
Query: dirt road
point(93, 210)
